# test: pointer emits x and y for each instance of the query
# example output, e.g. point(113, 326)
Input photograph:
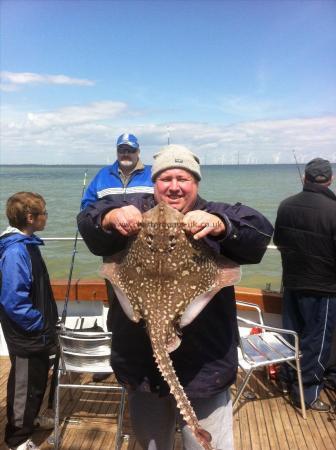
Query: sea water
point(259, 186)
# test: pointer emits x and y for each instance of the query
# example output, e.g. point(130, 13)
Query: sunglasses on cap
point(122, 149)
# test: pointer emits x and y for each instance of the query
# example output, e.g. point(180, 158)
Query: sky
point(243, 80)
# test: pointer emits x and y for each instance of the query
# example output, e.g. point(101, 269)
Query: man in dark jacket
point(28, 314)
point(305, 233)
point(206, 361)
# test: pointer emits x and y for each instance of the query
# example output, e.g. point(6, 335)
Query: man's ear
point(328, 183)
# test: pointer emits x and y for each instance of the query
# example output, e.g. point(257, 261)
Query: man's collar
point(199, 203)
point(319, 188)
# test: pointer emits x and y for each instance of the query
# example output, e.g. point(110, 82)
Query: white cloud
point(8, 87)
point(242, 106)
point(86, 134)
point(73, 115)
point(12, 81)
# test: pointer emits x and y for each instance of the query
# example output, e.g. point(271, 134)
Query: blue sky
point(254, 78)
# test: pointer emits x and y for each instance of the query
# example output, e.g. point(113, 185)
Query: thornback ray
point(166, 278)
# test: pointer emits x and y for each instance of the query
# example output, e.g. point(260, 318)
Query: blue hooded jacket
point(28, 310)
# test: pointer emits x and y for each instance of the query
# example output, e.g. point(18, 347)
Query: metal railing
point(270, 247)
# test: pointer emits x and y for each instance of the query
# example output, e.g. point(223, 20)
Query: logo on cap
point(128, 139)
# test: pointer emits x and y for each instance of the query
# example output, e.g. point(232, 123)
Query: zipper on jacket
point(128, 182)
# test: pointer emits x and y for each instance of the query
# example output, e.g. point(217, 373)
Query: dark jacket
point(305, 233)
point(206, 361)
point(28, 311)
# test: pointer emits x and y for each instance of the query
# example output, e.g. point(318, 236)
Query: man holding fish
point(203, 354)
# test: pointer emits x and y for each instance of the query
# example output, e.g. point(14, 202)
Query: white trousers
point(154, 420)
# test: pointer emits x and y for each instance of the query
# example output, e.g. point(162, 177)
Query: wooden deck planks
point(244, 429)
point(262, 440)
point(265, 399)
point(324, 439)
point(267, 414)
point(266, 423)
point(286, 424)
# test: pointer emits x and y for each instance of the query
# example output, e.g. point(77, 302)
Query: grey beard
point(126, 163)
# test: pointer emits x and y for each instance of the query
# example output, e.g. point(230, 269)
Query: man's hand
point(201, 223)
point(127, 220)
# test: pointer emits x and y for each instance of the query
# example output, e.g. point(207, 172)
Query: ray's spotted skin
point(166, 278)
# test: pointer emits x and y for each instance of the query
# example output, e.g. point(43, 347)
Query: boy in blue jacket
point(28, 314)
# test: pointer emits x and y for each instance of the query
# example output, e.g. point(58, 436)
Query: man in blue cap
point(126, 179)
point(126, 176)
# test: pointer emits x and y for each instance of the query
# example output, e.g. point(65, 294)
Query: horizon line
point(202, 165)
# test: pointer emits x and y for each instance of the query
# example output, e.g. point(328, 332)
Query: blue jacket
point(107, 184)
point(206, 361)
point(28, 311)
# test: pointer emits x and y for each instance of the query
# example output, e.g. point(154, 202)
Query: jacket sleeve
point(15, 291)
point(98, 241)
point(90, 195)
point(278, 229)
point(245, 242)
point(248, 232)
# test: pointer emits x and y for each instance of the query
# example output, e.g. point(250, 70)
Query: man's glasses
point(43, 213)
point(122, 150)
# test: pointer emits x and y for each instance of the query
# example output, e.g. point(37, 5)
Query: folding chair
point(86, 352)
point(266, 348)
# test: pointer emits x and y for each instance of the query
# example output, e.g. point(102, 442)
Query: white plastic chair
point(266, 348)
point(86, 352)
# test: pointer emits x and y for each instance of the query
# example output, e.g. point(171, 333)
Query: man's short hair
point(318, 170)
point(20, 205)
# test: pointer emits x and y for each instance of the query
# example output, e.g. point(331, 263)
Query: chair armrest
point(252, 306)
point(272, 329)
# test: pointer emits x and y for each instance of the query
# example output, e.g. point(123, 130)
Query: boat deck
point(268, 422)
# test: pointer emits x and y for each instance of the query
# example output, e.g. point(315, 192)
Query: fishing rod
point(74, 251)
point(298, 167)
point(53, 380)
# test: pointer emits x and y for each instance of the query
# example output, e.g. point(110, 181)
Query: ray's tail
point(167, 371)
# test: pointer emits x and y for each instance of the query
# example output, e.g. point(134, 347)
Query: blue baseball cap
point(128, 139)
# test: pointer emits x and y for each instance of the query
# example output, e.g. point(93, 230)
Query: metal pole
point(298, 167)
point(168, 136)
point(74, 251)
point(54, 375)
